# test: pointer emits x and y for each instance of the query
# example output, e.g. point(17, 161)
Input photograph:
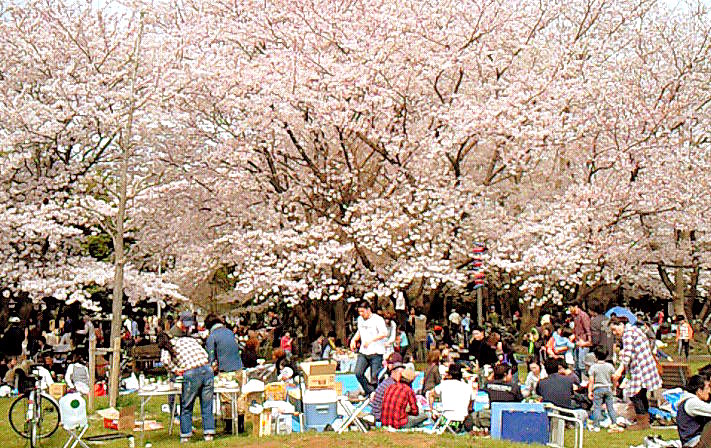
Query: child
point(600, 389)
point(285, 344)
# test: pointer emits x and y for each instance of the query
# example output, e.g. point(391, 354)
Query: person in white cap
point(13, 338)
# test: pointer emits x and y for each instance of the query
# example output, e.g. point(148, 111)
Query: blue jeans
point(375, 362)
point(579, 357)
point(197, 382)
point(600, 395)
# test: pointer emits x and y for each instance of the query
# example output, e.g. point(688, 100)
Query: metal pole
point(480, 307)
point(92, 373)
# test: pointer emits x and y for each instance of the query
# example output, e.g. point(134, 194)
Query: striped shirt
point(639, 361)
point(189, 354)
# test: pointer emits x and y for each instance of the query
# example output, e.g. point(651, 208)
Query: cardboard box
point(319, 374)
point(125, 420)
point(57, 390)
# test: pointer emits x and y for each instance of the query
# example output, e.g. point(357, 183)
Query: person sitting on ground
point(317, 347)
point(3, 367)
point(432, 376)
point(394, 365)
point(693, 418)
point(77, 376)
point(249, 355)
point(54, 368)
point(502, 388)
point(400, 408)
point(558, 389)
point(455, 395)
point(535, 374)
point(9, 376)
point(329, 346)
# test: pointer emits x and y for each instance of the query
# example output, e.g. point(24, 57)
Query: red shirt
point(397, 397)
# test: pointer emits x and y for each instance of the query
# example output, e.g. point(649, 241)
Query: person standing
point(223, 355)
point(13, 338)
point(371, 334)
point(583, 337)
point(185, 356)
point(275, 324)
point(466, 325)
point(600, 390)
point(89, 334)
point(684, 334)
point(637, 359)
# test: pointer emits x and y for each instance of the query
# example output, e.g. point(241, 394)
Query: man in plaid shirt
point(636, 357)
point(185, 356)
point(400, 405)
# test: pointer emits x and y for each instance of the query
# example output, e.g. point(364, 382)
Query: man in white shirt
point(371, 334)
point(455, 395)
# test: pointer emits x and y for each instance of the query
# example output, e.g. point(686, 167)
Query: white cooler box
point(319, 408)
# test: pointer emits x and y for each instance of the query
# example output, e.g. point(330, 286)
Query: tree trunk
point(529, 318)
point(679, 292)
point(325, 323)
point(339, 319)
point(119, 252)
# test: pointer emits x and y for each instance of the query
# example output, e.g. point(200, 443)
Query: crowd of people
point(581, 361)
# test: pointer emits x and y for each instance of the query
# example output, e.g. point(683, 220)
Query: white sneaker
point(209, 438)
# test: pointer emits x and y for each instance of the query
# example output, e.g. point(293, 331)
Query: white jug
point(72, 409)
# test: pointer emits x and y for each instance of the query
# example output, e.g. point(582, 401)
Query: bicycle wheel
point(32, 422)
point(48, 418)
point(20, 416)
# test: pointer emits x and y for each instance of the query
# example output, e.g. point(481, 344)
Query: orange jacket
point(684, 331)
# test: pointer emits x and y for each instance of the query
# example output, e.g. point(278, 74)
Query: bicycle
point(34, 415)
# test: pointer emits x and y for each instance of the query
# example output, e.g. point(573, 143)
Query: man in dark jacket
point(480, 349)
point(13, 338)
point(223, 354)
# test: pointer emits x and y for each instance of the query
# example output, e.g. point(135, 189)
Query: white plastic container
point(72, 409)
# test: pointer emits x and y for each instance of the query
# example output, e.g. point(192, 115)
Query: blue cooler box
point(524, 426)
point(319, 408)
point(518, 417)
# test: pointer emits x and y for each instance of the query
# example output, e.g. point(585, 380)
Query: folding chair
point(352, 414)
point(447, 421)
point(72, 412)
point(558, 417)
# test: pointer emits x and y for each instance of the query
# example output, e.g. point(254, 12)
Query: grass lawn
point(161, 439)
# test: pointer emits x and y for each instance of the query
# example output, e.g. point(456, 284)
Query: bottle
point(141, 380)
